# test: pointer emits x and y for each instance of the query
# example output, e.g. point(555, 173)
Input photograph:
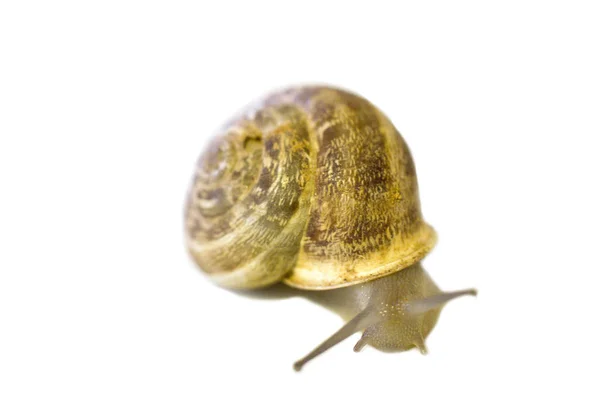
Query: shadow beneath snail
point(338, 301)
point(276, 291)
point(335, 300)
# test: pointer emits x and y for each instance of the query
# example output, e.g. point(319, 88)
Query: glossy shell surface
point(311, 185)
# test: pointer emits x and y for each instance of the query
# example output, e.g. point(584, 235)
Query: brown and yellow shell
point(313, 186)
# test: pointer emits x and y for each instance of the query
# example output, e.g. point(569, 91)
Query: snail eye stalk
point(356, 324)
point(421, 306)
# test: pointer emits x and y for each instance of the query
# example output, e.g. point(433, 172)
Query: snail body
point(314, 187)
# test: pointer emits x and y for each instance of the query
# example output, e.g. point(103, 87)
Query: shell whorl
point(314, 186)
point(250, 198)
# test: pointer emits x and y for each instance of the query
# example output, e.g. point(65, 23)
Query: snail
point(314, 187)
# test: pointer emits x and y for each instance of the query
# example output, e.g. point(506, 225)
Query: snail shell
point(313, 186)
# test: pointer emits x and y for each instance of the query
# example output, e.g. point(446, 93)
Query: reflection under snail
point(314, 187)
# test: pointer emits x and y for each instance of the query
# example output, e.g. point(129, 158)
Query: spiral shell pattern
point(313, 186)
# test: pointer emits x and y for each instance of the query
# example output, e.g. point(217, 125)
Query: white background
point(104, 107)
